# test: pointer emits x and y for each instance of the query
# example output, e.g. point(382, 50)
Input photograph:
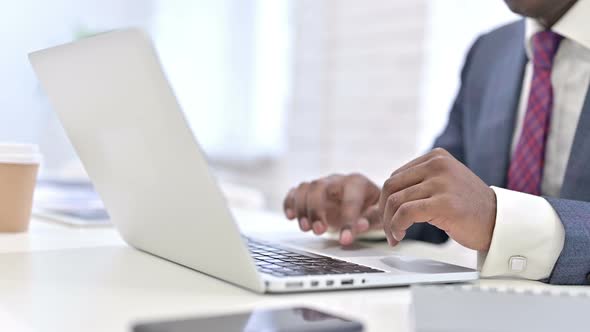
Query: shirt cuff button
point(517, 263)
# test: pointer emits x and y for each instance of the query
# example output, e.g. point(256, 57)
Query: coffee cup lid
point(18, 153)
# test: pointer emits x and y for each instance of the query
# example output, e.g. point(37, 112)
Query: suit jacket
point(479, 134)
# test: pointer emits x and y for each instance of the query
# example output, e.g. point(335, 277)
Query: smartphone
point(262, 320)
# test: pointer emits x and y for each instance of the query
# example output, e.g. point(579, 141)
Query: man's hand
point(346, 203)
point(438, 189)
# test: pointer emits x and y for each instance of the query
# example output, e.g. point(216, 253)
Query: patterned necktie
point(526, 167)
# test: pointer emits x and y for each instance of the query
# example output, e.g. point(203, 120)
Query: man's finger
point(373, 217)
point(353, 200)
point(402, 180)
point(434, 153)
point(372, 194)
point(289, 205)
point(304, 224)
point(370, 216)
point(408, 214)
point(316, 206)
point(362, 225)
point(394, 201)
point(301, 206)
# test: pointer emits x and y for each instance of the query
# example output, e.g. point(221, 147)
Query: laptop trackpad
point(419, 265)
point(334, 249)
point(380, 258)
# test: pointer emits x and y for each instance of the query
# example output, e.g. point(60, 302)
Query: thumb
point(370, 220)
point(373, 217)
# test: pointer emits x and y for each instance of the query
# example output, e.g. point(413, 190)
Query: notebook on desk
point(470, 308)
point(70, 202)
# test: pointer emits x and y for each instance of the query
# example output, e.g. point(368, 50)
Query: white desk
point(57, 278)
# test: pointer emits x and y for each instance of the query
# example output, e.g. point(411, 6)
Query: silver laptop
point(122, 117)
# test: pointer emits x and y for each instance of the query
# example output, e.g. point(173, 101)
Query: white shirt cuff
point(527, 239)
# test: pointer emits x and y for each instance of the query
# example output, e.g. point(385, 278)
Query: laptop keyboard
point(282, 262)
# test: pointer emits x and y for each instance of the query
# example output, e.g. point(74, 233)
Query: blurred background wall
point(277, 91)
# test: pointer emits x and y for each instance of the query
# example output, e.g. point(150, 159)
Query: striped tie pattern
point(526, 167)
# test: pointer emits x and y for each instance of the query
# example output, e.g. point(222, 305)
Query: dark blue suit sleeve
point(573, 264)
point(451, 139)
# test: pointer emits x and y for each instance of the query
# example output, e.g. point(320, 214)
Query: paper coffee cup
point(19, 164)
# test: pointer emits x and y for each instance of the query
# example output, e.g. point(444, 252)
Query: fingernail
point(395, 237)
point(346, 237)
point(305, 224)
point(362, 225)
point(389, 241)
point(290, 214)
point(318, 227)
